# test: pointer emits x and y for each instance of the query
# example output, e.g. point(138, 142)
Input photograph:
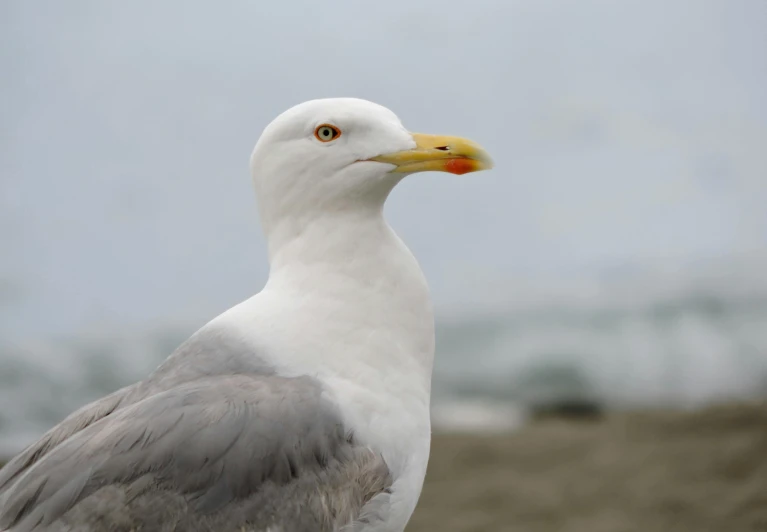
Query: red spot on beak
point(459, 166)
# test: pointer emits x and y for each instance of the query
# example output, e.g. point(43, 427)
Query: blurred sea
point(624, 131)
point(664, 339)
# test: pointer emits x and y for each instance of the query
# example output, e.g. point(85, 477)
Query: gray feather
point(212, 440)
point(210, 351)
point(74, 423)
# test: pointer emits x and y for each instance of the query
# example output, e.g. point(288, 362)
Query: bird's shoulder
point(215, 349)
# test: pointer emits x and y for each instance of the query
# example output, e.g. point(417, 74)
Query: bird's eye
point(326, 133)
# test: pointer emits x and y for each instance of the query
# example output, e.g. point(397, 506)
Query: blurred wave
point(680, 352)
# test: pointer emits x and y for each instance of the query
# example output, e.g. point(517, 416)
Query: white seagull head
point(344, 155)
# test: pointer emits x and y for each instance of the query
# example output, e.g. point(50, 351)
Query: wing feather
point(214, 442)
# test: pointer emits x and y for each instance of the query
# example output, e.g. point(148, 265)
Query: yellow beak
point(437, 153)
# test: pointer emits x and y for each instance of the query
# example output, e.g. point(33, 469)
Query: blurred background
point(604, 286)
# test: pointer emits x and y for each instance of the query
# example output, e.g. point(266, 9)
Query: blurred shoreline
point(646, 470)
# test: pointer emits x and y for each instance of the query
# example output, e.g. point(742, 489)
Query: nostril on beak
point(442, 148)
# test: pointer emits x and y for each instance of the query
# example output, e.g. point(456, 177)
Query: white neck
point(360, 282)
point(346, 300)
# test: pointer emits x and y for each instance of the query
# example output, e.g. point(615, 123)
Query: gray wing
point(74, 423)
point(210, 351)
point(219, 453)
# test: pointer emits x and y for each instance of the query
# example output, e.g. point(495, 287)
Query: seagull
point(303, 408)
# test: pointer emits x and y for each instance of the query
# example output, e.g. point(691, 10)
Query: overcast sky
point(625, 134)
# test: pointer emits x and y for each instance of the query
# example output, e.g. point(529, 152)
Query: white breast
point(362, 323)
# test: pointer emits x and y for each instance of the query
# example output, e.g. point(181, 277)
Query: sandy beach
point(644, 471)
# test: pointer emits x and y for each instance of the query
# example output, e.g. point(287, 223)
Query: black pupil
point(327, 132)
